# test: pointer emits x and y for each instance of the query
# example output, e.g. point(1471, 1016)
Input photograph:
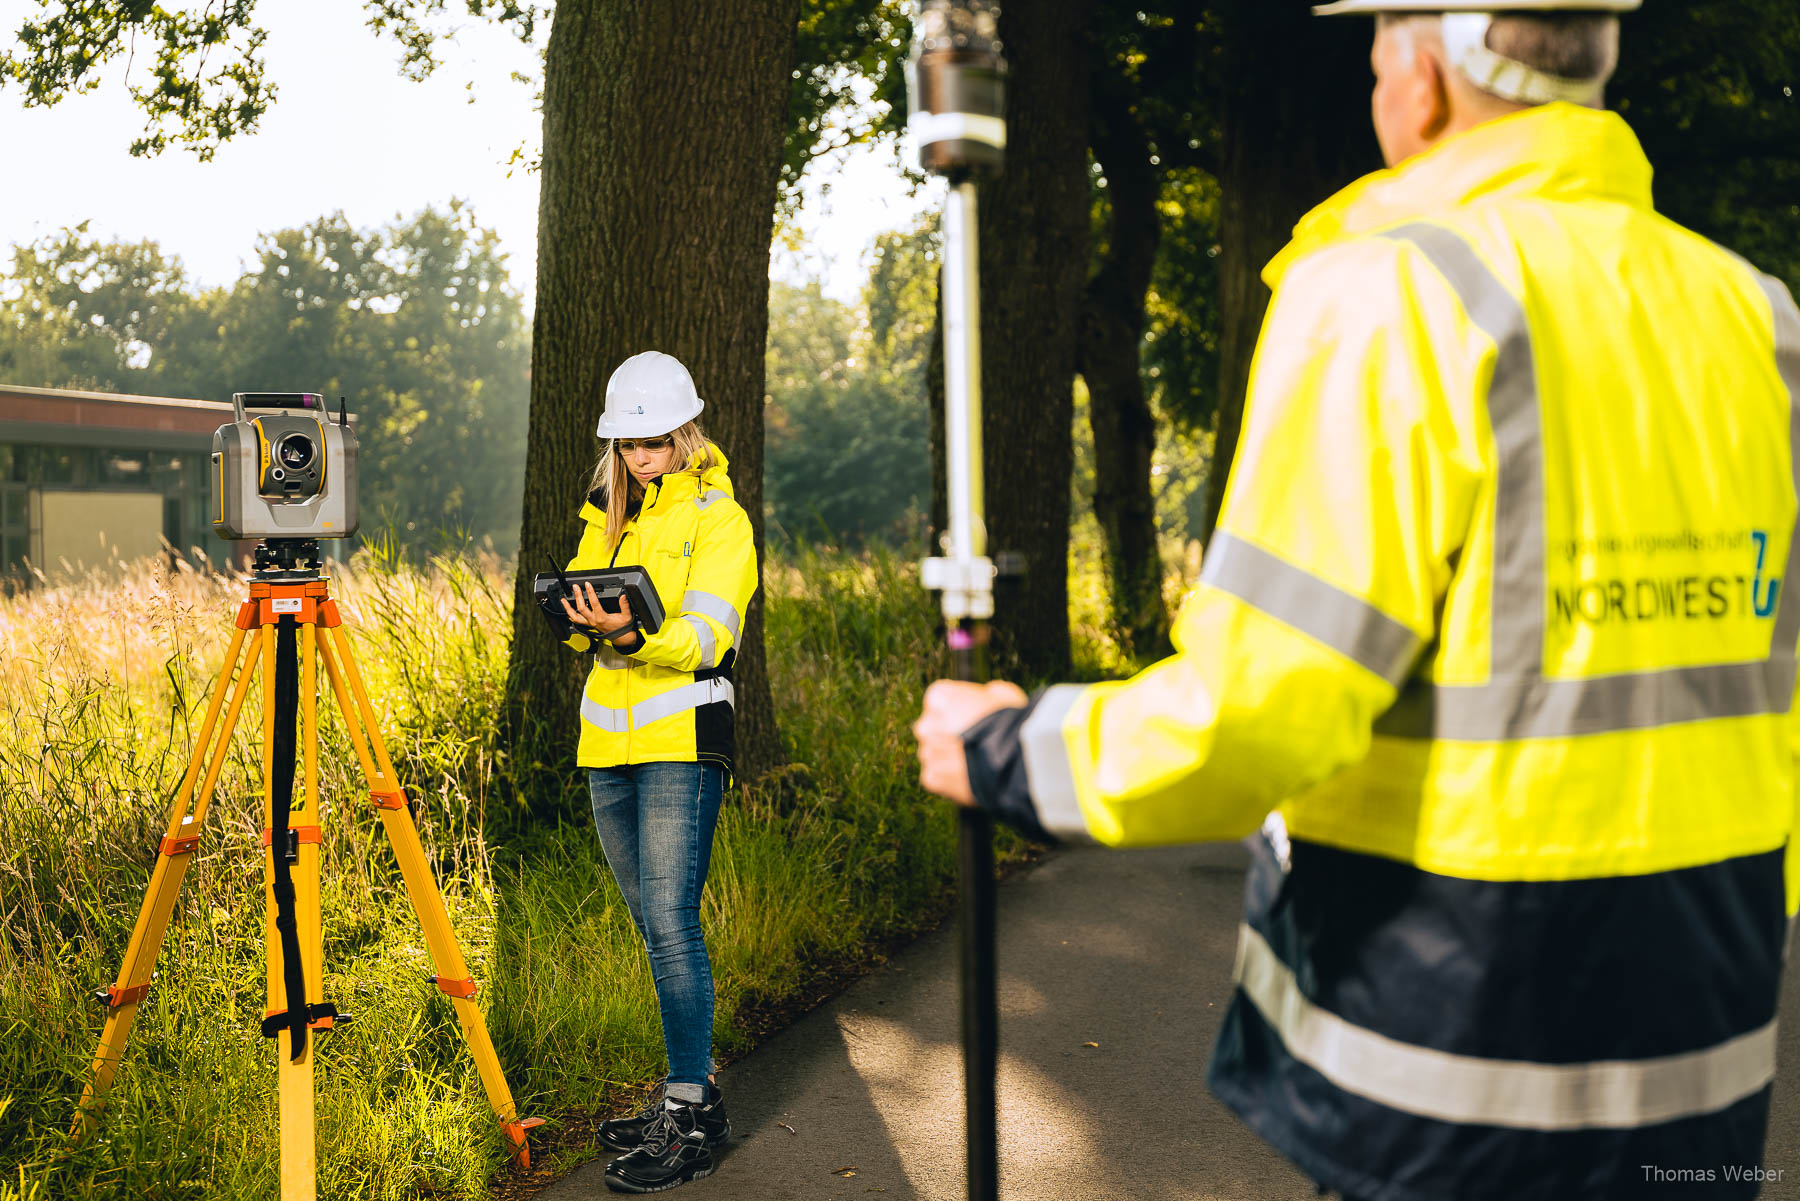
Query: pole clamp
point(455, 988)
point(967, 586)
point(177, 846)
point(389, 800)
point(296, 835)
point(115, 997)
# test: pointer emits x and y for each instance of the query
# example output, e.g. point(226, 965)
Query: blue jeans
point(656, 824)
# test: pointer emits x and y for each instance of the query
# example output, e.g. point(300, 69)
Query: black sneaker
point(627, 1134)
point(674, 1152)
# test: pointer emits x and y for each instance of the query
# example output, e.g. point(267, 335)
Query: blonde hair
point(618, 487)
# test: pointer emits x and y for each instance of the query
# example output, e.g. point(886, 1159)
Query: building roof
point(65, 416)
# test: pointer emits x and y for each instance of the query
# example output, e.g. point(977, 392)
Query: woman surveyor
point(656, 728)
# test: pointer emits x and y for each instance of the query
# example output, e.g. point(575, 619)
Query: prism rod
point(966, 612)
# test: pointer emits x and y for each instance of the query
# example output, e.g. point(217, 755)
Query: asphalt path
point(1115, 968)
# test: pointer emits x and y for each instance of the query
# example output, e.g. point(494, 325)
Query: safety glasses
point(626, 446)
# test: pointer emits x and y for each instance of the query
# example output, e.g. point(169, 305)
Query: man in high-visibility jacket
point(1495, 645)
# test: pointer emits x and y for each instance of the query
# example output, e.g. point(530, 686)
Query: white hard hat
point(1350, 8)
point(649, 395)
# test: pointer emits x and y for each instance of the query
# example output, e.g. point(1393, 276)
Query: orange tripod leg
point(390, 800)
point(181, 836)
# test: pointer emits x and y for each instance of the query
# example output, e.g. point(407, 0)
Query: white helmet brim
point(1354, 8)
point(649, 425)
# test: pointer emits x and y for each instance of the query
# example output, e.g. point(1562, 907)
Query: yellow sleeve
point(1355, 480)
point(705, 623)
point(589, 553)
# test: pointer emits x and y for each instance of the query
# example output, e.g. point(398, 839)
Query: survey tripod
point(955, 85)
point(291, 626)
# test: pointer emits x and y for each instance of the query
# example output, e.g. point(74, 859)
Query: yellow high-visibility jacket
point(671, 699)
point(1498, 627)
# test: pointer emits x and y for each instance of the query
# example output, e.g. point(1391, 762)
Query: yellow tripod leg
point(294, 1080)
point(427, 902)
point(180, 837)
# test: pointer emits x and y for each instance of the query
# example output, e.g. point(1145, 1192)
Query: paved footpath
point(1131, 951)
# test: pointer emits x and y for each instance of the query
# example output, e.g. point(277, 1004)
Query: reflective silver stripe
point(715, 607)
point(709, 498)
point(1618, 1094)
point(680, 700)
point(704, 632)
point(1347, 624)
point(602, 718)
point(1787, 364)
point(1536, 707)
point(1520, 702)
point(1520, 575)
point(1049, 777)
point(610, 659)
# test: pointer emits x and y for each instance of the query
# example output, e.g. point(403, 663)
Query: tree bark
point(1294, 129)
point(663, 127)
point(1034, 254)
point(1112, 329)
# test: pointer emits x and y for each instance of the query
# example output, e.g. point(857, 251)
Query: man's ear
point(1434, 76)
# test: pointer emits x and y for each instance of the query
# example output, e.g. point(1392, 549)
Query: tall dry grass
point(102, 683)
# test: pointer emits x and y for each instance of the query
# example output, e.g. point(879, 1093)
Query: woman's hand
point(586, 611)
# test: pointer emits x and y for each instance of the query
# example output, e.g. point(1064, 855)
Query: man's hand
point(950, 708)
point(586, 611)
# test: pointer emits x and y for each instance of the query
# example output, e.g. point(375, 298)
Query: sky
point(348, 133)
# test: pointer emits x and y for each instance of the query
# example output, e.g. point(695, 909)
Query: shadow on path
point(1132, 951)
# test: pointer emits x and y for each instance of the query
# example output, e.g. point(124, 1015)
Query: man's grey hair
point(1582, 46)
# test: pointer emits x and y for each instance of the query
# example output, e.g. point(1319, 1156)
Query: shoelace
point(661, 1131)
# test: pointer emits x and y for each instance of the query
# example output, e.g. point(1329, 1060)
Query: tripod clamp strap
point(322, 1016)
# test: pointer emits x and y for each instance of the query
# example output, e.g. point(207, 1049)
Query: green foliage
point(80, 313)
point(416, 323)
point(411, 23)
point(1180, 357)
point(1714, 92)
point(827, 862)
point(61, 52)
point(846, 52)
point(846, 439)
point(1178, 473)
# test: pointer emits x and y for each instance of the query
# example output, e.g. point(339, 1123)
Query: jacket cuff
point(997, 774)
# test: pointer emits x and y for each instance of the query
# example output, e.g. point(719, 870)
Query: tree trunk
point(1294, 129)
point(1112, 328)
point(1034, 253)
point(663, 125)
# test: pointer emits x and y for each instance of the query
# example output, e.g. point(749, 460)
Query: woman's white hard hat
point(649, 395)
point(1348, 8)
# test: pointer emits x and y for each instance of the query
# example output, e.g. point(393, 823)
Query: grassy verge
point(100, 686)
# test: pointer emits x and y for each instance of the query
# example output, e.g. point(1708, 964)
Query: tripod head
point(288, 559)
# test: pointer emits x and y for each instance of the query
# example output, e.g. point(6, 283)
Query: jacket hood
point(684, 484)
point(1554, 152)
